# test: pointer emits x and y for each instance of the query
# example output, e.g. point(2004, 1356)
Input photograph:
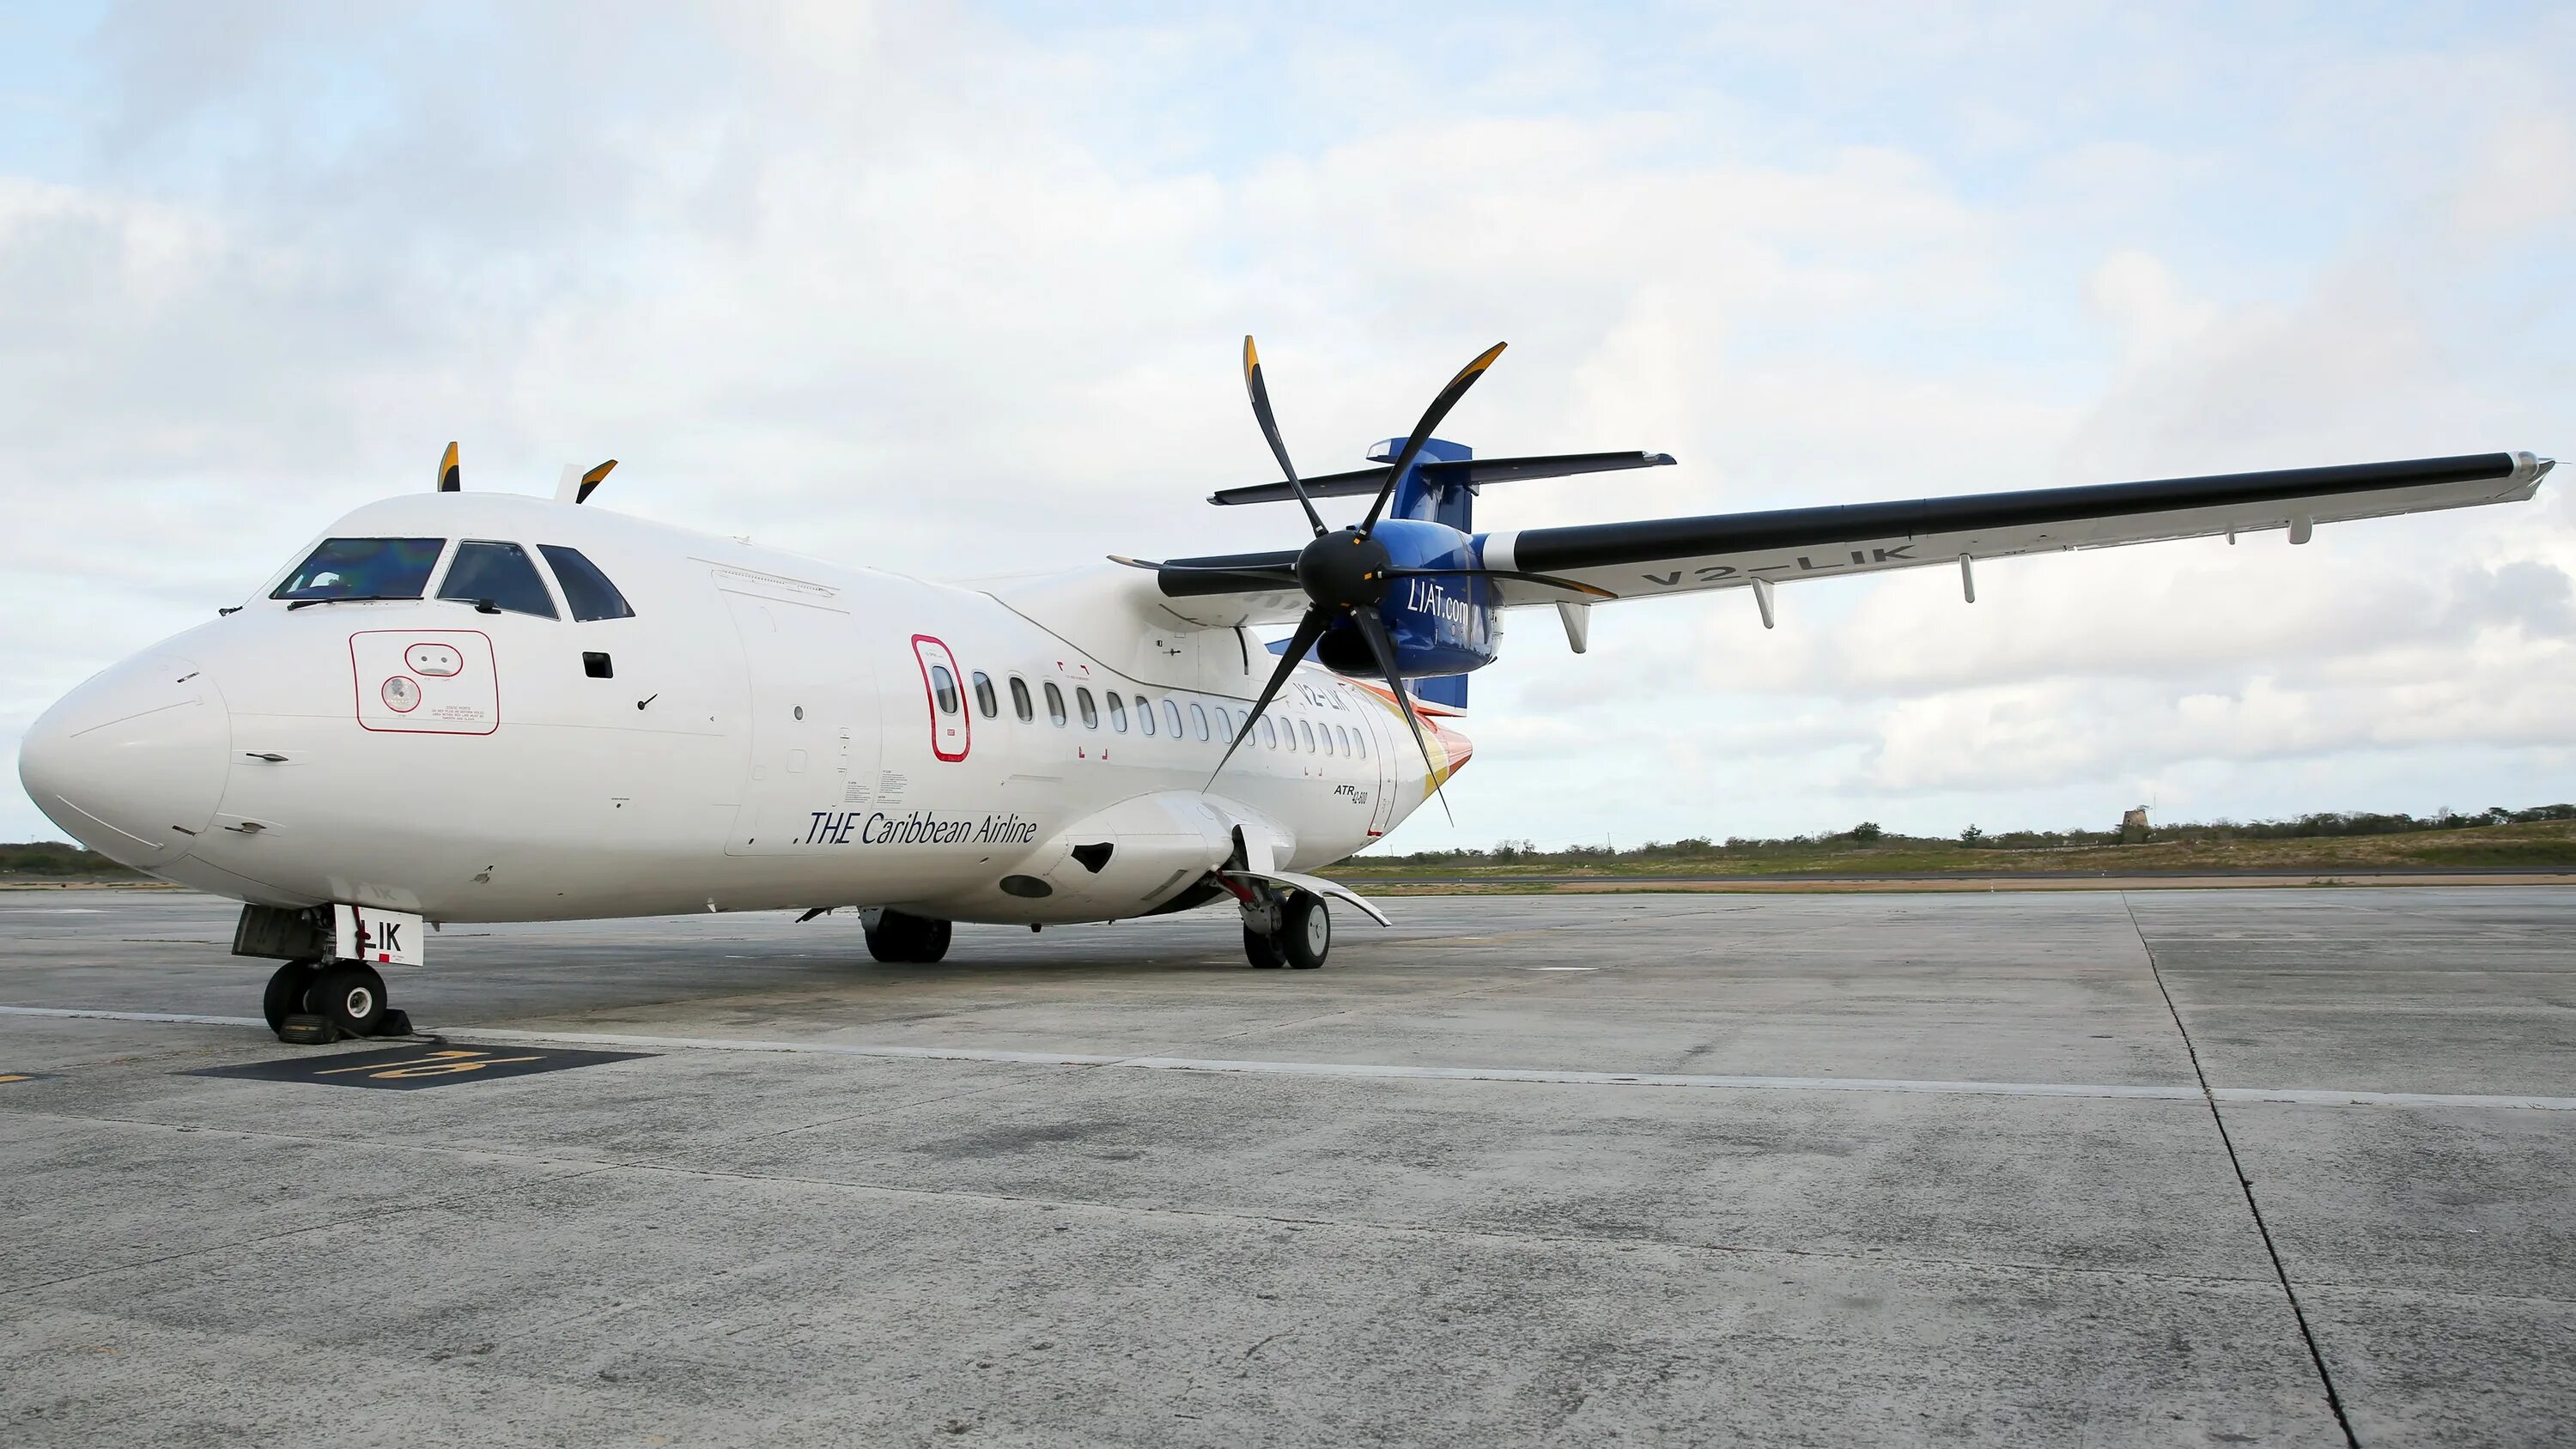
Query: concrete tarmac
point(2278, 1167)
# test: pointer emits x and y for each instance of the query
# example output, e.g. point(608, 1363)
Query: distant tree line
point(1868, 835)
point(54, 858)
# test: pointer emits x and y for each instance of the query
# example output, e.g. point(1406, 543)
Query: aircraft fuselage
point(763, 731)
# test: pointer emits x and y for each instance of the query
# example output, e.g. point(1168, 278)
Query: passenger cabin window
point(1055, 705)
point(1090, 711)
point(984, 700)
point(499, 574)
point(1198, 718)
point(1144, 713)
point(585, 588)
point(1172, 717)
point(1306, 732)
point(1327, 733)
point(943, 688)
point(1117, 713)
point(1359, 737)
point(1269, 736)
point(1020, 699)
point(364, 568)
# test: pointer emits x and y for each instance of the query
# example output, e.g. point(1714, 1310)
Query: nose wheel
point(324, 1001)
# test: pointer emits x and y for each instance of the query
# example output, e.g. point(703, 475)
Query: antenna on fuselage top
point(576, 486)
point(450, 479)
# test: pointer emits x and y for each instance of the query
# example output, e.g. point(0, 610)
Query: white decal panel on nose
point(426, 681)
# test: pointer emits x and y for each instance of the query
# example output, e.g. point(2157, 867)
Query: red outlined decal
point(425, 681)
point(952, 729)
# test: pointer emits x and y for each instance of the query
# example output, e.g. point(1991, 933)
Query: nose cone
point(133, 762)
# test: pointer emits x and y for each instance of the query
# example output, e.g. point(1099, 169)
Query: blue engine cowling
point(1441, 627)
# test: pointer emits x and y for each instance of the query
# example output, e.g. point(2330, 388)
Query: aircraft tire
point(1305, 931)
point(933, 942)
point(1262, 950)
point(349, 995)
point(285, 994)
point(908, 940)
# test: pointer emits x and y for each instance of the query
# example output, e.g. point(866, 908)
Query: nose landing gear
point(318, 1001)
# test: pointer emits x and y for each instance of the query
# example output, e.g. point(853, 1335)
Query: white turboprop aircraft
point(480, 707)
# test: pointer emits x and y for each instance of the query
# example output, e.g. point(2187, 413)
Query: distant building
point(2133, 827)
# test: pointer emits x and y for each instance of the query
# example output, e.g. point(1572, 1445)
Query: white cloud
point(869, 278)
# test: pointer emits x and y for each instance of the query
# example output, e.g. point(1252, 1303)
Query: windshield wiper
point(353, 599)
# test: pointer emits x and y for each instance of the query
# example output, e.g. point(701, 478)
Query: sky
point(957, 290)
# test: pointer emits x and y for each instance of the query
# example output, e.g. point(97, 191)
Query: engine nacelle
point(1441, 626)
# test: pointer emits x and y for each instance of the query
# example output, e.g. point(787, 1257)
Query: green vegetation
point(50, 860)
point(2541, 838)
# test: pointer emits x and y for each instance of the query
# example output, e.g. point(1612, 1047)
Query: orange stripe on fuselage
point(1450, 750)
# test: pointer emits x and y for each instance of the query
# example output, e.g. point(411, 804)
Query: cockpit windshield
point(364, 568)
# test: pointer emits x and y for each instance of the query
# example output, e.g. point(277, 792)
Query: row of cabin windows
point(1219, 724)
point(484, 572)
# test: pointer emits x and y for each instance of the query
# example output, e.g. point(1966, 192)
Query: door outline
point(1382, 742)
point(923, 647)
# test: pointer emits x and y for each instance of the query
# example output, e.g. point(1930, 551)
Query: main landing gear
point(334, 999)
point(896, 937)
point(1286, 928)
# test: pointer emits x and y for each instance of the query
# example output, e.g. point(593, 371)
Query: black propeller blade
point(1373, 629)
point(1260, 393)
point(451, 479)
point(1309, 629)
point(1431, 417)
point(1345, 571)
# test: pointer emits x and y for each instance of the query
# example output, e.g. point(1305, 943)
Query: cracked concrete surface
point(811, 1246)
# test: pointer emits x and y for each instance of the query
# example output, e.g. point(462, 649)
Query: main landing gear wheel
point(909, 940)
point(285, 994)
point(348, 995)
point(1305, 931)
point(1262, 949)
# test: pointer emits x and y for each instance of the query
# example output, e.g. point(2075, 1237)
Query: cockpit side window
point(500, 574)
point(585, 588)
point(364, 568)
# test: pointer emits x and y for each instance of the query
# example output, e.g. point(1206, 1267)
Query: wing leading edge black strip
point(1479, 471)
point(1262, 573)
point(1598, 545)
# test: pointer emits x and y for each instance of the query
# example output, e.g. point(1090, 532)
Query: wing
point(1727, 550)
point(1475, 472)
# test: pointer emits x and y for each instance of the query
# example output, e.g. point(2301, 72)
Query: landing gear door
point(386, 938)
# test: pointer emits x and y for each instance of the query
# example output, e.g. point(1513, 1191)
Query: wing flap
point(1676, 555)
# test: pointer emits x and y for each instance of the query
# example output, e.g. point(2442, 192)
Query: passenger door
point(1383, 730)
point(943, 693)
